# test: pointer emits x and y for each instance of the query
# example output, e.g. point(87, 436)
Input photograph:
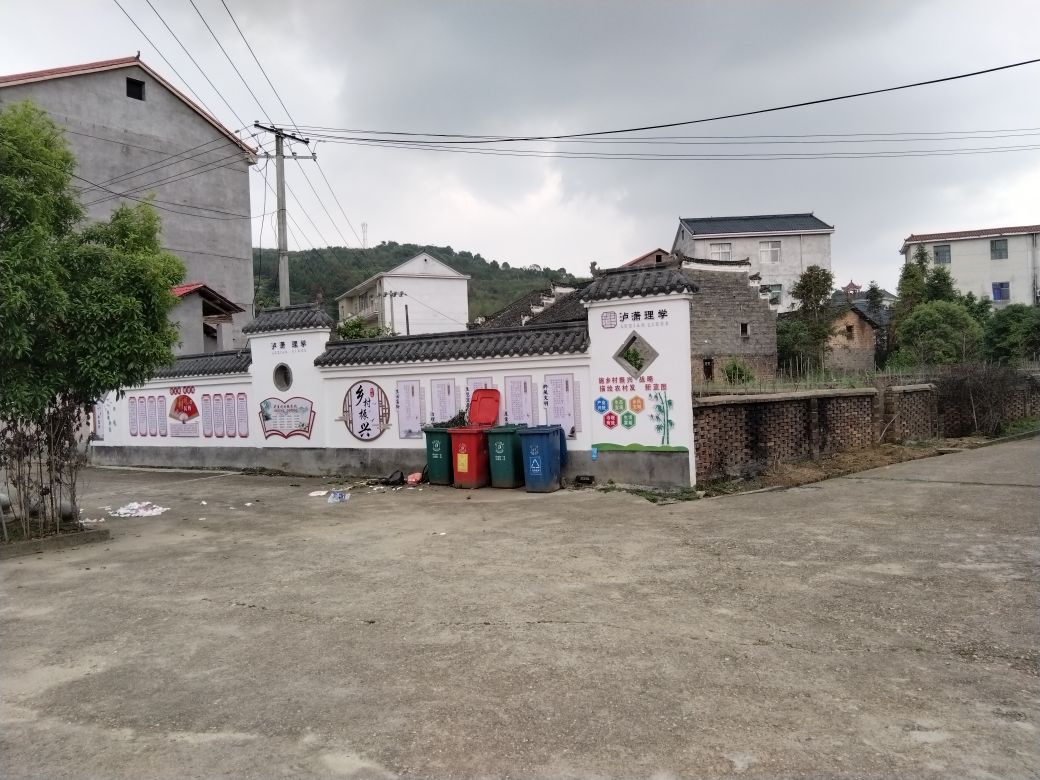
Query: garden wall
point(746, 434)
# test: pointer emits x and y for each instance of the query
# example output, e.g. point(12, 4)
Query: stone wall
point(744, 435)
point(724, 302)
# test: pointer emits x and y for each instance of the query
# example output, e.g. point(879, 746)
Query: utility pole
point(283, 243)
point(364, 235)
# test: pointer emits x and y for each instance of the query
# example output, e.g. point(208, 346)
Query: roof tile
point(554, 339)
point(300, 317)
point(756, 223)
point(212, 364)
point(633, 282)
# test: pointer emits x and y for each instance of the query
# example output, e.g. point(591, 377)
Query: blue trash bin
point(545, 453)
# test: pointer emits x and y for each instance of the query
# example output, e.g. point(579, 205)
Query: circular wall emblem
point(366, 410)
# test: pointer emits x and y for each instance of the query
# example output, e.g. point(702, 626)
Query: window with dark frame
point(1001, 291)
point(998, 249)
point(941, 253)
point(745, 330)
point(135, 89)
point(849, 332)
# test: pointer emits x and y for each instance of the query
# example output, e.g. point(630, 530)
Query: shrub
point(738, 372)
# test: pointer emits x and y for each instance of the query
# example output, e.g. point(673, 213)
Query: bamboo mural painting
point(662, 416)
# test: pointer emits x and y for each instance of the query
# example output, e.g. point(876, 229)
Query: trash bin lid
point(538, 429)
point(483, 407)
point(509, 428)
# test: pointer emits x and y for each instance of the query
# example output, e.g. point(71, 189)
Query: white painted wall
point(538, 390)
point(797, 252)
point(974, 271)
point(667, 377)
point(436, 304)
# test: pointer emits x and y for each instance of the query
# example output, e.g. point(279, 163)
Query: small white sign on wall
point(521, 401)
point(409, 409)
point(445, 400)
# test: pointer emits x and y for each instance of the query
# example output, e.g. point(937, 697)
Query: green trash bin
point(507, 463)
point(438, 456)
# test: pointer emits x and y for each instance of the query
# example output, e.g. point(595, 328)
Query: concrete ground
point(882, 625)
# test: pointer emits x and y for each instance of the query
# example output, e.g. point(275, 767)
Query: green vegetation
point(938, 333)
point(354, 329)
point(1025, 425)
point(933, 323)
point(802, 336)
point(326, 273)
point(82, 313)
point(1013, 334)
point(738, 372)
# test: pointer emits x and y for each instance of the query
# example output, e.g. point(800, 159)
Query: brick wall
point(846, 422)
point(911, 413)
point(743, 435)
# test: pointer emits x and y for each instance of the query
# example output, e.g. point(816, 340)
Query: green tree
point(938, 285)
point(980, 309)
point(82, 314)
point(355, 329)
point(938, 332)
point(875, 297)
point(803, 335)
point(1013, 334)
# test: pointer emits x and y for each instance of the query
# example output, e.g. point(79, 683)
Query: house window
point(657, 258)
point(998, 249)
point(135, 89)
point(769, 251)
point(849, 332)
point(1001, 291)
point(941, 253)
point(775, 293)
point(745, 330)
point(720, 251)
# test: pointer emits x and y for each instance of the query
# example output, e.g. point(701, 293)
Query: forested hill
point(334, 270)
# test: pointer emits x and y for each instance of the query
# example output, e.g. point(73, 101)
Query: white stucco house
point(779, 246)
point(997, 263)
point(422, 295)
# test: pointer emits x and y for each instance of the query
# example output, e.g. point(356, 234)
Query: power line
point(241, 122)
point(293, 121)
point(230, 61)
point(687, 122)
point(812, 139)
point(164, 59)
point(206, 167)
point(674, 157)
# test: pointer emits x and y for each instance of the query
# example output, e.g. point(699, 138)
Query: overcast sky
point(557, 67)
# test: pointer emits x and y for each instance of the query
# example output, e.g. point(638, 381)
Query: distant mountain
point(334, 270)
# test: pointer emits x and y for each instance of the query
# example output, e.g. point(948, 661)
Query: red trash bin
point(469, 444)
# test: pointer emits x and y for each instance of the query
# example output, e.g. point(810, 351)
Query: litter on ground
point(338, 497)
point(139, 509)
point(316, 493)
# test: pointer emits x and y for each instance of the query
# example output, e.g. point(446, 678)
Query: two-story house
point(422, 295)
point(997, 263)
point(135, 136)
point(778, 246)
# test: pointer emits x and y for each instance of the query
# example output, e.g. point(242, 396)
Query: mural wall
point(630, 392)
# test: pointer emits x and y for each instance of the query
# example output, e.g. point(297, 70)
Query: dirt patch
point(842, 463)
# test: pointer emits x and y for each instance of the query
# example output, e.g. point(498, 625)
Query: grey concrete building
point(134, 136)
point(777, 246)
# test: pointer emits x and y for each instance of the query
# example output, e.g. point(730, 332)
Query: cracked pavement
point(881, 625)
